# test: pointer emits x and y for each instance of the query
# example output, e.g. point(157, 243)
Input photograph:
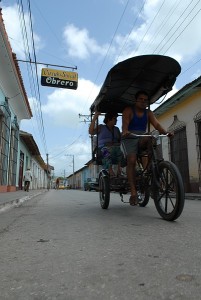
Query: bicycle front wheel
point(168, 194)
point(143, 191)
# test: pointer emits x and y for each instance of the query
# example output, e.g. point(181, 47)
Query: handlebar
point(150, 135)
point(143, 135)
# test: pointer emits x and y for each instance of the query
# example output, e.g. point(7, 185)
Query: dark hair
point(109, 116)
point(141, 93)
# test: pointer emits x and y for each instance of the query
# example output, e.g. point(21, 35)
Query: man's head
point(141, 99)
point(109, 116)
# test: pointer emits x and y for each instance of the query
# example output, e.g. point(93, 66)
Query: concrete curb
point(192, 196)
point(18, 202)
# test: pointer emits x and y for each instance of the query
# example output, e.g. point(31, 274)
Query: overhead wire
point(31, 75)
point(52, 32)
point(177, 28)
point(162, 25)
point(182, 31)
point(28, 65)
point(149, 26)
point(66, 148)
point(103, 62)
point(108, 49)
point(36, 74)
point(127, 37)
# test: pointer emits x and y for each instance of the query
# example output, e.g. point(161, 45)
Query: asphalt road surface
point(62, 245)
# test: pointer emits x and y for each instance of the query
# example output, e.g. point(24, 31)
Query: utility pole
point(73, 169)
point(86, 118)
point(48, 182)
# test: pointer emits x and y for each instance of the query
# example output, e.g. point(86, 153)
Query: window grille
point(4, 142)
point(197, 121)
point(13, 152)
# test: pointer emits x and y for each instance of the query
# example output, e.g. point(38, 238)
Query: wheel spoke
point(169, 197)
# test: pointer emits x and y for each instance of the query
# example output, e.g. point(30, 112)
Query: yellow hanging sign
point(59, 78)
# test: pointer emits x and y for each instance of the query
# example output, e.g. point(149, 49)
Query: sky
point(92, 36)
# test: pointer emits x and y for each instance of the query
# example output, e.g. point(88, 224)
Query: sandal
point(133, 200)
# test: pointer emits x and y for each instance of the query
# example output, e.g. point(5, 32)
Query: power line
point(178, 27)
point(182, 30)
point(36, 72)
point(109, 47)
point(29, 70)
point(135, 21)
point(162, 25)
point(149, 27)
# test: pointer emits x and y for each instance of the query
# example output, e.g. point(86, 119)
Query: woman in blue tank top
point(108, 137)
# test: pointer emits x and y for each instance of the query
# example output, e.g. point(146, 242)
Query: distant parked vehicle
point(63, 185)
point(91, 184)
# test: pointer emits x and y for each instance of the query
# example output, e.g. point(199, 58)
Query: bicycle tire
point(143, 193)
point(104, 191)
point(169, 196)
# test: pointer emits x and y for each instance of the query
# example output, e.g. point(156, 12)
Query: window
point(5, 137)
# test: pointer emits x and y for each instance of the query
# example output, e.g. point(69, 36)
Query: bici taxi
point(160, 179)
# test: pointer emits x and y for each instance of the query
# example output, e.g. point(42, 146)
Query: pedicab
point(160, 179)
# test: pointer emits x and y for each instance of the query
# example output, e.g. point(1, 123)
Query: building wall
point(90, 171)
point(39, 175)
point(9, 135)
point(185, 112)
point(39, 178)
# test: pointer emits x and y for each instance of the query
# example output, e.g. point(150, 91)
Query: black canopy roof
point(155, 74)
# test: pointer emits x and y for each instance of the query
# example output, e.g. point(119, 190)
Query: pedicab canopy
point(155, 74)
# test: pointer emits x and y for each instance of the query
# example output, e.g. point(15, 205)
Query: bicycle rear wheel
point(169, 194)
point(104, 190)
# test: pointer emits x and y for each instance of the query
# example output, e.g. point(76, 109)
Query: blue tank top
point(138, 124)
point(106, 136)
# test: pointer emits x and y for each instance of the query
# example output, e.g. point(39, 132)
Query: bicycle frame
point(153, 158)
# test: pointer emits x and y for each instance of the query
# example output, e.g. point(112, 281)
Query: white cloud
point(14, 31)
point(80, 44)
point(63, 106)
point(82, 154)
point(166, 29)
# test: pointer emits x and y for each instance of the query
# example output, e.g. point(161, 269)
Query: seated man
point(108, 141)
point(134, 120)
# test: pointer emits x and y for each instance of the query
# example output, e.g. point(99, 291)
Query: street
point(62, 245)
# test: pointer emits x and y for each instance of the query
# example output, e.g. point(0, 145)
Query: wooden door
point(179, 155)
point(21, 166)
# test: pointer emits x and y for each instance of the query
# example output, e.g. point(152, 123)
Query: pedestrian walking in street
point(27, 179)
point(57, 184)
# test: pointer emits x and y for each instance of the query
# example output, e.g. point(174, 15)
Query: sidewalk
point(10, 199)
point(191, 196)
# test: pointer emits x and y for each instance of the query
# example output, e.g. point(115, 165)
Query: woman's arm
point(92, 127)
